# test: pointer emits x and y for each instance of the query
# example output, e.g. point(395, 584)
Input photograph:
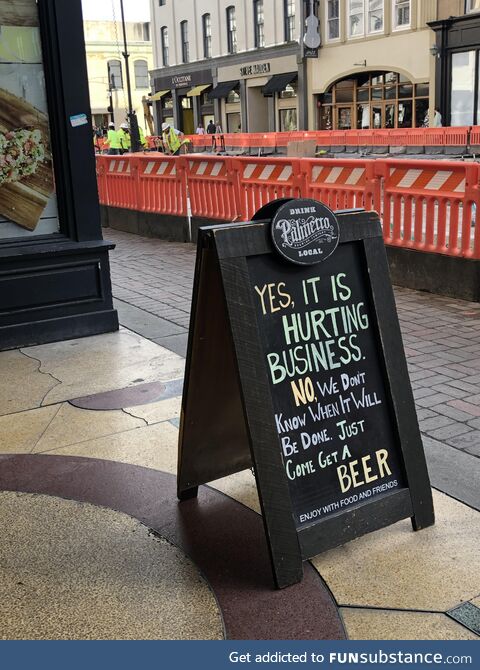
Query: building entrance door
point(344, 117)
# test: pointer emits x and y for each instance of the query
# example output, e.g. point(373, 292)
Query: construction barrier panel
point(212, 187)
point(101, 170)
point(264, 179)
point(121, 181)
point(341, 184)
point(430, 206)
point(162, 185)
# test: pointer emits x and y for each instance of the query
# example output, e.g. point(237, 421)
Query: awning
point(279, 82)
point(158, 95)
point(197, 90)
point(222, 89)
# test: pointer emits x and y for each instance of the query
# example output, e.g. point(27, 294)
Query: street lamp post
point(132, 117)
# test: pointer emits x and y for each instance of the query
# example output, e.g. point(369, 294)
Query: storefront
point(258, 96)
point(457, 58)
point(374, 100)
point(181, 100)
point(54, 268)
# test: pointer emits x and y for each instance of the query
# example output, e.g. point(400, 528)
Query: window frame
point(231, 29)
point(468, 9)
point(366, 11)
point(136, 76)
point(164, 45)
point(207, 34)
point(119, 62)
point(328, 20)
point(184, 41)
point(404, 26)
point(289, 20)
point(259, 35)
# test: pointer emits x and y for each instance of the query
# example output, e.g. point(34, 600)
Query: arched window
point(115, 80)
point(231, 30)
point(184, 41)
point(207, 36)
point(164, 40)
point(141, 73)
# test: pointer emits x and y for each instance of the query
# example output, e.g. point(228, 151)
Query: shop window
point(141, 73)
point(355, 18)
point(365, 16)
point(164, 40)
point(290, 91)
point(207, 36)
point(184, 41)
point(289, 20)
point(288, 120)
point(377, 100)
point(462, 101)
point(231, 30)
point(28, 205)
point(233, 97)
point(401, 14)
point(375, 16)
point(333, 20)
point(167, 101)
point(258, 23)
point(234, 122)
point(115, 80)
point(472, 6)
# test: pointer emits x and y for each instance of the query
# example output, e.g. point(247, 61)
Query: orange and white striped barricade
point(262, 180)
point(121, 181)
point(162, 184)
point(430, 205)
point(342, 183)
point(212, 187)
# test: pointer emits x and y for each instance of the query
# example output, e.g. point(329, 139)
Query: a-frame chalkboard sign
point(299, 372)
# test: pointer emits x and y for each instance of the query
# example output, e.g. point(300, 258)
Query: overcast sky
point(135, 10)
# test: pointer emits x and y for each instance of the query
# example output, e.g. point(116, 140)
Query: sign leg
point(188, 494)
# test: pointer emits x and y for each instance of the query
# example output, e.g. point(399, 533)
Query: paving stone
point(435, 422)
point(423, 413)
point(450, 390)
point(432, 400)
point(452, 412)
point(449, 431)
point(464, 406)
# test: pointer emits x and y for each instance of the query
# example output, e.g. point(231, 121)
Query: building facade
point(106, 69)
point(232, 62)
point(380, 63)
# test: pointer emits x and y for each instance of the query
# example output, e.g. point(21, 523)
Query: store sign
point(181, 80)
point(255, 69)
point(299, 372)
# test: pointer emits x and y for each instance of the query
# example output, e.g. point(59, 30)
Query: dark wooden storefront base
point(55, 291)
point(435, 273)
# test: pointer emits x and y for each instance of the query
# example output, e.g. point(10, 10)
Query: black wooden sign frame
point(227, 422)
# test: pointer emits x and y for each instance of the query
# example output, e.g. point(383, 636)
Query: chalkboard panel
point(332, 412)
point(299, 371)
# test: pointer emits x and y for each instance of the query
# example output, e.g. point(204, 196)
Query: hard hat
point(124, 126)
point(165, 126)
point(111, 124)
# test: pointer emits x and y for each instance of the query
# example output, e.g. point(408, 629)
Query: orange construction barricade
point(212, 187)
point(162, 186)
point(121, 181)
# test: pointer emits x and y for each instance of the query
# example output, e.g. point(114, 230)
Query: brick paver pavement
point(441, 335)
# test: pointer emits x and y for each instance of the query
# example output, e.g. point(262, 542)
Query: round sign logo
point(305, 231)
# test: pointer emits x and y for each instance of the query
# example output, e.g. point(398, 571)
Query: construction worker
point(125, 139)
point(171, 139)
point(113, 140)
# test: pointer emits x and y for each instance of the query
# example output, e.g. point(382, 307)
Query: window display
point(27, 200)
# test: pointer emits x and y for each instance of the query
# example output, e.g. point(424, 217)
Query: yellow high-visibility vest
point(113, 140)
point(173, 141)
point(125, 140)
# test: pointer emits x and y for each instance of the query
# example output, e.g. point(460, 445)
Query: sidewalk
point(96, 546)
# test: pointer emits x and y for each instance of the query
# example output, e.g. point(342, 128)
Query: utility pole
point(132, 117)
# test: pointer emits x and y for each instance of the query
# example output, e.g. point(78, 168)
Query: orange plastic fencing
point(342, 184)
point(161, 184)
point(475, 135)
point(423, 204)
point(430, 206)
point(212, 187)
point(264, 179)
point(121, 181)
